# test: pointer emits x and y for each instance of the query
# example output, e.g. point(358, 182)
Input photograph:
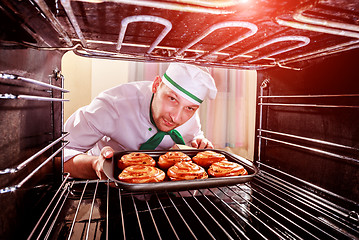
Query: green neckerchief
point(156, 139)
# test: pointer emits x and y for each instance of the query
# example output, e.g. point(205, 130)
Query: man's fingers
point(203, 144)
point(210, 145)
point(107, 152)
point(194, 143)
point(102, 176)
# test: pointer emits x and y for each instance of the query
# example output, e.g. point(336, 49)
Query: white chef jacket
point(120, 118)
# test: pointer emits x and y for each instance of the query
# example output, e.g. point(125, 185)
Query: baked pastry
point(135, 158)
point(226, 168)
point(206, 158)
point(141, 174)
point(170, 158)
point(186, 171)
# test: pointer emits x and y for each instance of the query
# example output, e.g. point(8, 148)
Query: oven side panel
point(313, 132)
point(27, 127)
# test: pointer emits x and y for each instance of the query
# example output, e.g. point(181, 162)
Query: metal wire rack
point(266, 208)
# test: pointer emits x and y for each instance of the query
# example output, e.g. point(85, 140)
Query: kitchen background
point(228, 121)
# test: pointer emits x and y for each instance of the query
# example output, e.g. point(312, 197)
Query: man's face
point(170, 110)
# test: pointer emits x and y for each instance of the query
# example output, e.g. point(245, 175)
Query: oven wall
point(337, 75)
point(27, 126)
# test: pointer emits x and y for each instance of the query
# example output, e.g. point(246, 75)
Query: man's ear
point(156, 83)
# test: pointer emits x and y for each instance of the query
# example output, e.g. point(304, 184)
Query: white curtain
point(229, 120)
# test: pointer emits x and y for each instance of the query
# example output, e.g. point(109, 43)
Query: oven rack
point(312, 149)
point(263, 132)
point(21, 166)
point(11, 96)
point(294, 149)
point(33, 81)
point(266, 208)
point(27, 169)
point(267, 134)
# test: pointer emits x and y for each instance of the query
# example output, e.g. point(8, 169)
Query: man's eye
point(172, 99)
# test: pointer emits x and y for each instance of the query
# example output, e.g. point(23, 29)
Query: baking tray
point(111, 170)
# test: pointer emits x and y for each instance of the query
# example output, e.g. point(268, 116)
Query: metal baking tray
point(111, 170)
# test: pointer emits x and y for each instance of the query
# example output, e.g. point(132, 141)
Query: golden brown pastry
point(135, 158)
point(206, 158)
point(186, 171)
point(226, 168)
point(141, 174)
point(170, 158)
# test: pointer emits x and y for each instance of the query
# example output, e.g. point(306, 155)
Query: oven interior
point(307, 145)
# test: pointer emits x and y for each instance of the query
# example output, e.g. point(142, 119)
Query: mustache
point(170, 120)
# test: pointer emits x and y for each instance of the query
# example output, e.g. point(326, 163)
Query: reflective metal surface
point(266, 208)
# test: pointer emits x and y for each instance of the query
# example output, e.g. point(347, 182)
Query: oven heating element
point(262, 49)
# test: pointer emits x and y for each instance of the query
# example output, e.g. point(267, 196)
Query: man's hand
point(97, 164)
point(88, 167)
point(202, 143)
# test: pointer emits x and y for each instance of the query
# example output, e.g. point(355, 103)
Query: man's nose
point(176, 115)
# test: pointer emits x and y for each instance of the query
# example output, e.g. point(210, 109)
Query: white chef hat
point(190, 82)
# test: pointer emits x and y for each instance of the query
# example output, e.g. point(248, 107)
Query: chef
point(138, 116)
